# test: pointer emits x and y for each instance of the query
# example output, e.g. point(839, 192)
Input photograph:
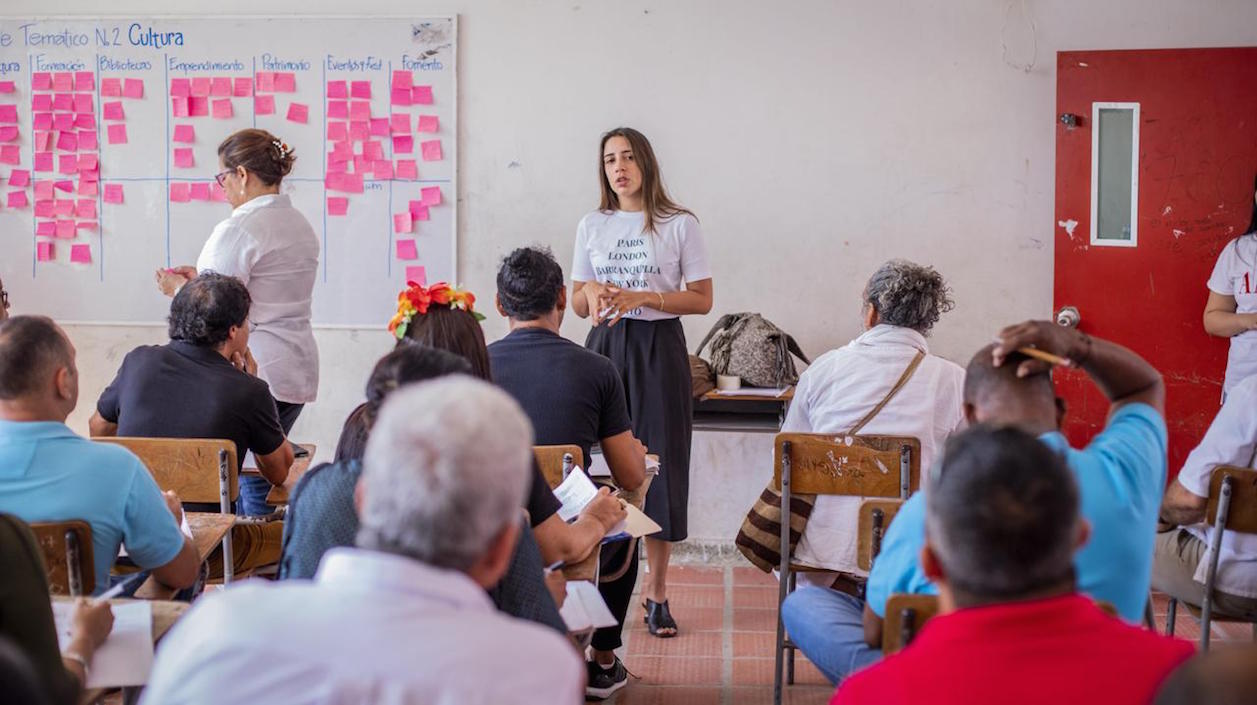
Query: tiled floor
point(724, 653)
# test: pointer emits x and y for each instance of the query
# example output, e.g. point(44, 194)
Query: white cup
point(728, 383)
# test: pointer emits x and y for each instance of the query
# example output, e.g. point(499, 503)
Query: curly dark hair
point(206, 308)
point(529, 282)
point(908, 295)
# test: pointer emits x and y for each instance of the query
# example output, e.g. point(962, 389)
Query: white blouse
point(1235, 274)
point(270, 246)
point(613, 249)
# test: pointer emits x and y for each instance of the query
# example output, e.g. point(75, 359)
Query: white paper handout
point(584, 608)
point(126, 657)
point(183, 526)
point(578, 490)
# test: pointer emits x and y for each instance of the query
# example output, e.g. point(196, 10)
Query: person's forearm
point(1180, 507)
point(98, 426)
point(580, 305)
point(1119, 372)
point(1225, 324)
point(679, 302)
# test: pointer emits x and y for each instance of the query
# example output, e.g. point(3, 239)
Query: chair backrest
point(860, 466)
point(555, 461)
point(875, 516)
point(1241, 512)
point(196, 469)
point(66, 547)
point(905, 615)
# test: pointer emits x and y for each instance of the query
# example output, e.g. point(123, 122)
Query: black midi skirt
point(655, 368)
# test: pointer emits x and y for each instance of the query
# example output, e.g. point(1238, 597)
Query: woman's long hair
point(655, 200)
point(453, 330)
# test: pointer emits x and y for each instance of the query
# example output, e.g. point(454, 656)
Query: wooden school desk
point(208, 530)
point(165, 614)
point(741, 413)
point(279, 493)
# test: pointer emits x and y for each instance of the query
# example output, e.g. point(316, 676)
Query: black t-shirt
point(540, 502)
point(572, 395)
point(180, 390)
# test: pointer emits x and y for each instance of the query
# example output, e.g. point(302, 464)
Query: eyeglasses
point(220, 176)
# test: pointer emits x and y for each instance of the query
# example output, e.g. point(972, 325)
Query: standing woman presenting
point(1232, 308)
point(269, 245)
point(639, 265)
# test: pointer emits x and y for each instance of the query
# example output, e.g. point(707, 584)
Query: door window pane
point(1114, 173)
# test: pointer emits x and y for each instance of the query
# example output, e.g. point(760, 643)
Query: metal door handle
point(1068, 317)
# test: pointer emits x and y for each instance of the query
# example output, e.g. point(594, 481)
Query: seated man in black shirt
point(572, 396)
point(202, 384)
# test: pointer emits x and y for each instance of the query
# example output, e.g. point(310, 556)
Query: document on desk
point(126, 657)
point(578, 490)
point(584, 609)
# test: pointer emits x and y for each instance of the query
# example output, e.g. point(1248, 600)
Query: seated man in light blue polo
point(48, 473)
point(1120, 474)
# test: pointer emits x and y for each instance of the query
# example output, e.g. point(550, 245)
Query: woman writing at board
point(1232, 308)
point(639, 265)
point(270, 246)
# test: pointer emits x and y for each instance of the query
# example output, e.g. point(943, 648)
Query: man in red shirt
point(1002, 525)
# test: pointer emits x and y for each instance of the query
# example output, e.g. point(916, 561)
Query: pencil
point(1045, 357)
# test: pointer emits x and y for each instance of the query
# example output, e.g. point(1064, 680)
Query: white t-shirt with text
point(612, 248)
point(1235, 274)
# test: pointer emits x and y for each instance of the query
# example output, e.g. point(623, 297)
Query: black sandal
point(658, 617)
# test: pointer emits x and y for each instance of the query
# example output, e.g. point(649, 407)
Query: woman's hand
point(92, 621)
point(594, 292)
point(171, 280)
point(621, 301)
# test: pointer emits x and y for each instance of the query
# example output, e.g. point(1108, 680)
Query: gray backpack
point(749, 346)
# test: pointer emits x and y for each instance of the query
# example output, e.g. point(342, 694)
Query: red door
point(1140, 280)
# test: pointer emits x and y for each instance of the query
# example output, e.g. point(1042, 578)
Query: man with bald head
point(1120, 473)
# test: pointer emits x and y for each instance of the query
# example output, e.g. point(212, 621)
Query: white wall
point(814, 139)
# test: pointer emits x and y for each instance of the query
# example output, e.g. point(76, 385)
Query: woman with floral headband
point(271, 247)
point(441, 316)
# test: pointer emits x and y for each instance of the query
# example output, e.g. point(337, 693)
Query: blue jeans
point(253, 491)
point(828, 627)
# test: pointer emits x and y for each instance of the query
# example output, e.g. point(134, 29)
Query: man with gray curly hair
point(402, 618)
point(900, 305)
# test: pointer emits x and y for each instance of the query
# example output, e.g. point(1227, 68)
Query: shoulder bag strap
point(903, 380)
point(725, 321)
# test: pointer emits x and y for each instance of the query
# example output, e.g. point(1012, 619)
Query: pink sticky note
point(403, 144)
point(179, 106)
point(383, 169)
point(337, 205)
point(8, 113)
point(334, 163)
point(242, 87)
point(7, 87)
point(44, 208)
point(421, 95)
point(184, 133)
point(43, 141)
point(406, 169)
point(67, 141)
point(402, 223)
point(359, 110)
point(337, 89)
point(199, 191)
point(180, 192)
point(112, 87)
point(431, 150)
point(89, 162)
point(45, 228)
point(86, 225)
point(360, 89)
point(264, 104)
point(201, 87)
point(198, 106)
point(183, 158)
point(84, 81)
point(41, 81)
point(338, 109)
point(8, 133)
point(117, 133)
point(63, 185)
point(373, 150)
point(19, 177)
point(359, 130)
point(67, 164)
point(285, 82)
point(17, 199)
point(400, 96)
point(65, 229)
point(403, 79)
point(222, 108)
point(43, 190)
point(379, 126)
point(63, 81)
point(81, 254)
point(399, 123)
point(353, 183)
point(83, 103)
point(43, 121)
point(265, 81)
point(337, 130)
point(85, 121)
point(113, 111)
point(113, 193)
point(418, 210)
point(298, 112)
point(180, 87)
point(44, 161)
point(429, 123)
point(362, 164)
point(10, 154)
point(44, 251)
point(334, 181)
point(133, 88)
point(417, 274)
point(43, 101)
point(85, 208)
point(220, 86)
point(88, 140)
point(89, 188)
point(431, 195)
point(406, 250)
